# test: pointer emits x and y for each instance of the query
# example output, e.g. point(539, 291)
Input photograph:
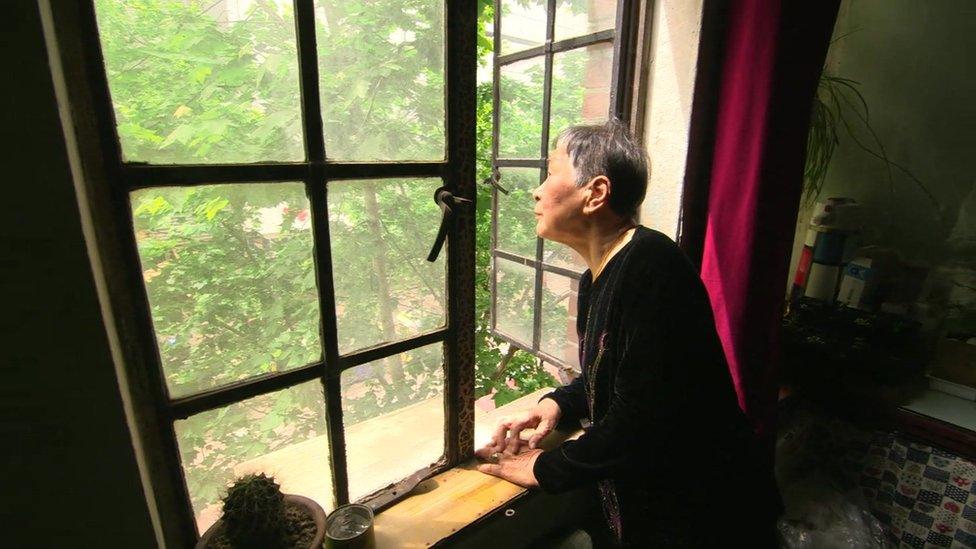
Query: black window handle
point(493, 179)
point(447, 202)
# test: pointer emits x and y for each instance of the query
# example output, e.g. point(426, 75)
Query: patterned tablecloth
point(922, 496)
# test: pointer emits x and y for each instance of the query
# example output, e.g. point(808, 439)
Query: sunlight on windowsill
point(440, 506)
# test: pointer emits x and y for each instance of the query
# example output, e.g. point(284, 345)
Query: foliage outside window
point(229, 268)
point(555, 67)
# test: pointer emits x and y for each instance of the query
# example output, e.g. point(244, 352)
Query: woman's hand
point(516, 469)
point(511, 458)
point(507, 436)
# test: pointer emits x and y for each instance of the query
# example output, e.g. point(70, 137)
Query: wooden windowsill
point(437, 508)
point(444, 504)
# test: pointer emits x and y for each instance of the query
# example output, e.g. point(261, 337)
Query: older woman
point(664, 440)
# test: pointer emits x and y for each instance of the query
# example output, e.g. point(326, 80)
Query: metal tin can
point(350, 527)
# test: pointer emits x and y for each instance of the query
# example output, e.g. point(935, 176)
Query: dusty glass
point(281, 434)
point(229, 273)
point(393, 415)
point(203, 82)
point(520, 109)
point(381, 232)
point(381, 79)
point(514, 300)
point(516, 217)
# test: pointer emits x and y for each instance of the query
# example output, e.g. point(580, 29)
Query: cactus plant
point(254, 513)
point(257, 515)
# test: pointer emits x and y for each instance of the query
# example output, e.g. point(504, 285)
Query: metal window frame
point(629, 38)
point(109, 180)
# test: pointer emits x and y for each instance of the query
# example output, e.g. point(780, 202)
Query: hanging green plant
point(840, 105)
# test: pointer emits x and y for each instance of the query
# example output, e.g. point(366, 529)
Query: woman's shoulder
point(657, 270)
point(653, 252)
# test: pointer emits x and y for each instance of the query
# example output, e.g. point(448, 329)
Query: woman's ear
point(599, 194)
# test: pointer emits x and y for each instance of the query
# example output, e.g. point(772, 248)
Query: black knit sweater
point(664, 440)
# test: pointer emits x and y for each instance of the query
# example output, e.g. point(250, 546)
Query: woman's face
point(558, 201)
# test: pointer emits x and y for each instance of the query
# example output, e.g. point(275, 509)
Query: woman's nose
point(535, 193)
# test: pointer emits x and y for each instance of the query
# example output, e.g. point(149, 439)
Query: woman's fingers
point(515, 435)
point(506, 435)
point(485, 452)
point(493, 469)
point(517, 469)
point(501, 434)
point(544, 428)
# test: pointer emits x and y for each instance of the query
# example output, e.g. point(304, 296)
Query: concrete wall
point(671, 80)
point(917, 73)
point(70, 475)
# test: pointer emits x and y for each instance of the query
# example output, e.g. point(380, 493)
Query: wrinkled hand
point(516, 469)
point(507, 439)
point(512, 458)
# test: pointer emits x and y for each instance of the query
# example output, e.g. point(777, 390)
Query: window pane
point(523, 25)
point(281, 434)
point(520, 109)
point(382, 231)
point(515, 300)
point(581, 86)
point(578, 18)
point(516, 220)
point(198, 81)
point(559, 337)
point(381, 79)
point(561, 255)
point(393, 413)
point(230, 279)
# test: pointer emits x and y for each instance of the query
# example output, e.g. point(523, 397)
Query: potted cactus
point(257, 515)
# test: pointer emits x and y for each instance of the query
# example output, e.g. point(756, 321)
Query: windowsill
point(448, 502)
point(439, 507)
point(940, 419)
point(941, 405)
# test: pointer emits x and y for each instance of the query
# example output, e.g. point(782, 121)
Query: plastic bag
point(818, 512)
point(819, 515)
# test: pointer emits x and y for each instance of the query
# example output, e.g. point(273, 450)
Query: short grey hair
point(610, 150)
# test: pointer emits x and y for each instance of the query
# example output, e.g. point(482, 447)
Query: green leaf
point(182, 134)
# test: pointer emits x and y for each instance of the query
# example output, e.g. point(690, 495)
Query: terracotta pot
point(314, 509)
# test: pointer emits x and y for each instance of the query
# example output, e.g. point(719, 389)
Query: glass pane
point(563, 256)
point(393, 413)
point(231, 282)
point(280, 434)
point(516, 220)
point(523, 25)
point(581, 86)
point(520, 109)
point(579, 18)
point(514, 300)
point(198, 81)
point(559, 337)
point(381, 78)
point(382, 231)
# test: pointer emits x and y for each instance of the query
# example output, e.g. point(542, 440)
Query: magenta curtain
point(770, 64)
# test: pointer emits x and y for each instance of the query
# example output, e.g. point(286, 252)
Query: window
point(556, 63)
point(263, 176)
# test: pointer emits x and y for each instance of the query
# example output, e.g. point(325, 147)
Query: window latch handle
point(447, 202)
point(493, 179)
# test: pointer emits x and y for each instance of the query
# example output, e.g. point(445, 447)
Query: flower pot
point(313, 509)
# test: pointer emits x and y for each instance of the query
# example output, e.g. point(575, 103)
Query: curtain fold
point(771, 62)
